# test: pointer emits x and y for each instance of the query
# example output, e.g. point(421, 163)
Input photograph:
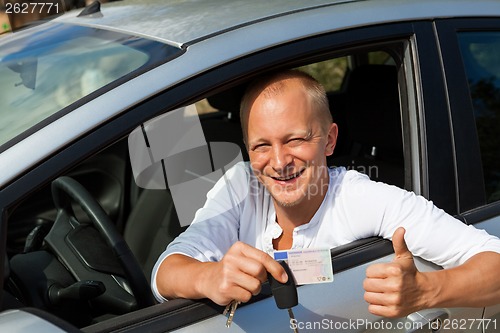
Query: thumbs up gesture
point(395, 289)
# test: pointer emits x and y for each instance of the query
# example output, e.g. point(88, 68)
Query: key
point(230, 309)
point(285, 294)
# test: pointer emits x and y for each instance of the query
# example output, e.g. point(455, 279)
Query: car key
point(285, 294)
point(229, 310)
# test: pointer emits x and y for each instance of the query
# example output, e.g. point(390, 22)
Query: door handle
point(430, 319)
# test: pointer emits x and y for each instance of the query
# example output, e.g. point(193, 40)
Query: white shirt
point(239, 208)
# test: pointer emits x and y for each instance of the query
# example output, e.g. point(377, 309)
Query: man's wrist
point(432, 284)
point(202, 280)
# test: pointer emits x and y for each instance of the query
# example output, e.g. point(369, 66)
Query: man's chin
point(288, 202)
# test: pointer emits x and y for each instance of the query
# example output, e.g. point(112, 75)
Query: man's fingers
point(399, 244)
point(248, 283)
point(383, 311)
point(376, 271)
point(374, 285)
point(390, 288)
point(252, 267)
point(276, 270)
point(374, 298)
point(270, 265)
point(387, 285)
point(383, 270)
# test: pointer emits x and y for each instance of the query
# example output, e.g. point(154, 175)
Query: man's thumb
point(399, 244)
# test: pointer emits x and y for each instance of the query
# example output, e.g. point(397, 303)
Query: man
point(287, 197)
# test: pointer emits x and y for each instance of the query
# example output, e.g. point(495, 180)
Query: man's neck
point(291, 217)
point(302, 213)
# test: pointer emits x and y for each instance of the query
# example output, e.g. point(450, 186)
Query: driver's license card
point(308, 265)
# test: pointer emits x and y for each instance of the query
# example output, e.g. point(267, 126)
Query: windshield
point(47, 68)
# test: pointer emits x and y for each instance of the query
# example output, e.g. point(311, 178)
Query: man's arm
point(397, 289)
point(238, 276)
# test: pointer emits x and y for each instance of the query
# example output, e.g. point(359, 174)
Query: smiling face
point(288, 142)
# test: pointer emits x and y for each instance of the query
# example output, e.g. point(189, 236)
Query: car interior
point(81, 247)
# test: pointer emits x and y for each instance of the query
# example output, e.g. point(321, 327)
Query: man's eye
point(260, 147)
point(296, 141)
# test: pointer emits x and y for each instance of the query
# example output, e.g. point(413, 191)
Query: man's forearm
point(476, 283)
point(178, 277)
point(238, 276)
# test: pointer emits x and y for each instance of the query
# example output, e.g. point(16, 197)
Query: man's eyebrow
point(309, 134)
point(257, 142)
point(306, 133)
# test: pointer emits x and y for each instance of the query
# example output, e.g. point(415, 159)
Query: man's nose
point(281, 159)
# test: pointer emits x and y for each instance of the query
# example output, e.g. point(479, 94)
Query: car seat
point(151, 226)
point(153, 222)
point(373, 124)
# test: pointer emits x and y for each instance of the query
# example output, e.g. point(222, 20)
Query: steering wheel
point(82, 261)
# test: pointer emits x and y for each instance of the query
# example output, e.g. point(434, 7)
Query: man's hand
point(395, 289)
point(240, 274)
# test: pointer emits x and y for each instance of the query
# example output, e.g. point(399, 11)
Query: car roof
point(182, 22)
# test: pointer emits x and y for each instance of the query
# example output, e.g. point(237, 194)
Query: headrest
point(228, 100)
point(373, 108)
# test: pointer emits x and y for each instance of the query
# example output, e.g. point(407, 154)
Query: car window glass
point(380, 58)
point(480, 52)
point(43, 73)
point(363, 95)
point(331, 73)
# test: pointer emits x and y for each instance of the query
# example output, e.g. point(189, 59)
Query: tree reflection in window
point(481, 55)
point(486, 100)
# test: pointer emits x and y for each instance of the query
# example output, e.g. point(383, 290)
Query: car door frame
point(470, 182)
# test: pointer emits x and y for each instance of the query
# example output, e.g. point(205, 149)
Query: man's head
point(289, 132)
point(276, 82)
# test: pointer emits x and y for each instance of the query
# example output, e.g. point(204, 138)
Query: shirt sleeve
point(431, 233)
point(215, 226)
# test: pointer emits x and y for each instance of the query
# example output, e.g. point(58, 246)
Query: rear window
point(481, 55)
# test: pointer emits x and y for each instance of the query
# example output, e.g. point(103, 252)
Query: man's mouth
point(289, 177)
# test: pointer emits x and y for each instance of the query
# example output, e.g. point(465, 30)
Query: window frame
point(430, 110)
point(470, 181)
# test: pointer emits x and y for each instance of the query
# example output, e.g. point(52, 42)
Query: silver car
point(117, 119)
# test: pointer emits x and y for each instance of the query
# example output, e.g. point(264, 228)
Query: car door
point(428, 169)
point(471, 49)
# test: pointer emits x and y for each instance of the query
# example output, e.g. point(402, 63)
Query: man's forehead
point(279, 86)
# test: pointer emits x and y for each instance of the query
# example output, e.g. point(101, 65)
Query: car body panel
point(314, 312)
point(20, 321)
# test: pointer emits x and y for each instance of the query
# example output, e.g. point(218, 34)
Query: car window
point(186, 144)
point(332, 73)
point(363, 94)
point(480, 55)
point(42, 75)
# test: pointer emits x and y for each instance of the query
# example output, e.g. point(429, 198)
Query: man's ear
point(333, 132)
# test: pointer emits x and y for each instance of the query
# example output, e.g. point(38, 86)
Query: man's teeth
point(287, 178)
